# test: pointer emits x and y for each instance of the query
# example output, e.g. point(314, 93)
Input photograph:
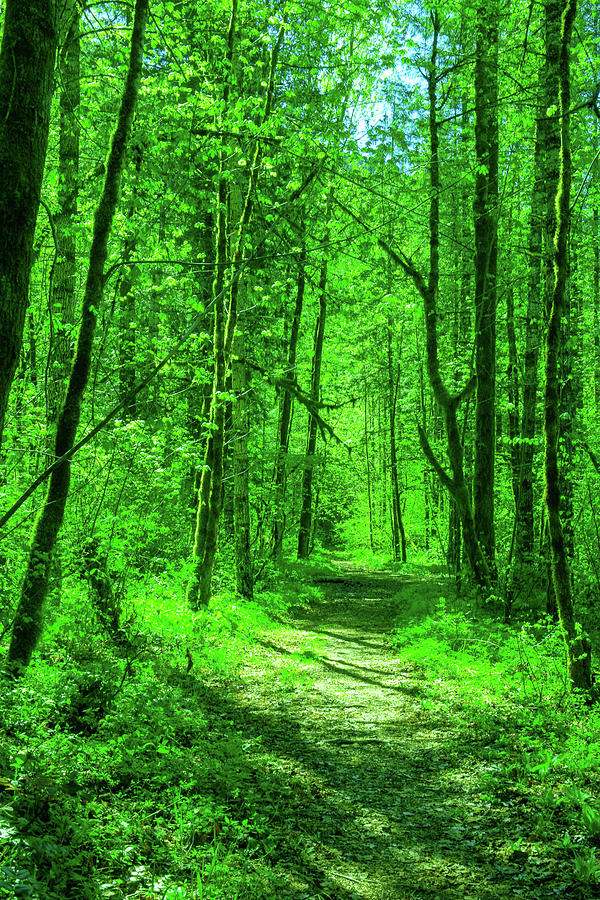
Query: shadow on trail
point(350, 819)
point(335, 665)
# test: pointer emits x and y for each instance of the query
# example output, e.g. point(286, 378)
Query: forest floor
point(374, 737)
point(379, 786)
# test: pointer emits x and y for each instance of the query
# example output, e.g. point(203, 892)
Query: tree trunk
point(63, 278)
point(205, 546)
point(446, 402)
point(368, 464)
point(398, 532)
point(306, 513)
point(512, 377)
point(486, 256)
point(241, 470)
point(27, 56)
point(286, 409)
point(523, 565)
point(27, 625)
point(578, 646)
point(596, 301)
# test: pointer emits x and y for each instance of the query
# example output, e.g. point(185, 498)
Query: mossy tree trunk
point(210, 496)
point(398, 533)
point(307, 511)
point(485, 209)
point(523, 566)
point(241, 469)
point(27, 625)
point(27, 57)
point(578, 646)
point(63, 277)
point(285, 416)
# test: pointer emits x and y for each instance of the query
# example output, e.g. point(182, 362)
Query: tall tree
point(578, 646)
point(63, 277)
point(27, 626)
point(306, 512)
point(446, 402)
point(27, 56)
point(485, 209)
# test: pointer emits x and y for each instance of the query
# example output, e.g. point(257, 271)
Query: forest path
point(378, 794)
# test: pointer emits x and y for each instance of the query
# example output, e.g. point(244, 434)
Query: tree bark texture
point(241, 469)
point(578, 646)
point(524, 565)
point(306, 512)
point(286, 409)
point(27, 625)
point(27, 58)
point(63, 277)
point(398, 533)
point(486, 265)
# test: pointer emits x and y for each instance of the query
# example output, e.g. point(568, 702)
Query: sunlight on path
point(381, 802)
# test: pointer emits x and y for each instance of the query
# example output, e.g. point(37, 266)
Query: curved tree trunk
point(27, 57)
point(27, 626)
point(447, 403)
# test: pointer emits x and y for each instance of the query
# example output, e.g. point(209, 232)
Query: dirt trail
point(380, 798)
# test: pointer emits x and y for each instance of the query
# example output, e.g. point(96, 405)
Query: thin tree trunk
point(446, 402)
point(63, 278)
point(306, 513)
point(523, 564)
point(286, 409)
point(596, 301)
point(27, 55)
point(512, 376)
point(486, 256)
point(398, 532)
point(368, 463)
point(578, 646)
point(27, 625)
point(241, 470)
point(205, 546)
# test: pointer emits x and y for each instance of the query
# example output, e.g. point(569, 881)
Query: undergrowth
point(504, 687)
point(121, 774)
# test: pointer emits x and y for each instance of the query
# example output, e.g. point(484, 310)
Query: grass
point(124, 777)
point(505, 688)
point(131, 777)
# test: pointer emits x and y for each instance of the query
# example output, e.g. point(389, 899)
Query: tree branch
point(433, 461)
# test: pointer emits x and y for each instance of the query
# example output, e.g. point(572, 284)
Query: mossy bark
point(306, 512)
point(27, 57)
point(210, 500)
point(63, 278)
point(578, 645)
point(398, 532)
point(27, 626)
point(241, 470)
point(285, 416)
point(524, 566)
point(485, 209)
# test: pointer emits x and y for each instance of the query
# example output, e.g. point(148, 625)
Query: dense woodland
point(283, 284)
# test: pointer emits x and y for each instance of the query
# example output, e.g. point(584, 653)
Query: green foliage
point(126, 778)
